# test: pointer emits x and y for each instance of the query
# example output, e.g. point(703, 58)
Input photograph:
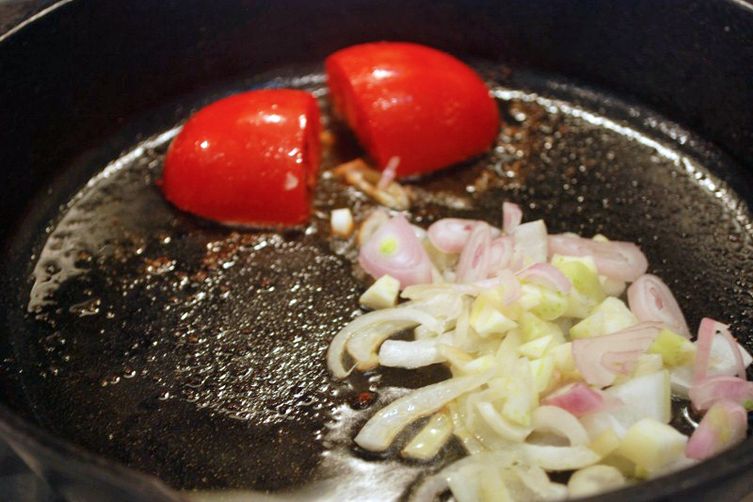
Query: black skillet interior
point(167, 348)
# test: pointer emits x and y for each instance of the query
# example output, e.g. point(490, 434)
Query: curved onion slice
point(577, 398)
point(543, 274)
point(395, 250)
point(362, 345)
point(512, 215)
point(450, 235)
point(614, 259)
point(557, 420)
point(600, 358)
point(500, 425)
point(723, 426)
point(651, 300)
point(594, 480)
point(380, 324)
point(410, 355)
point(382, 428)
point(536, 480)
point(706, 332)
point(559, 458)
point(429, 440)
point(474, 261)
point(432, 486)
point(712, 389)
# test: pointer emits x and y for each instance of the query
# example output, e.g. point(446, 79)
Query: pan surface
point(195, 352)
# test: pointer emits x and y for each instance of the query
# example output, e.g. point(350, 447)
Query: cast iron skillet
point(174, 348)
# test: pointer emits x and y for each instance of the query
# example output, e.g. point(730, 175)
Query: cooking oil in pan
point(195, 352)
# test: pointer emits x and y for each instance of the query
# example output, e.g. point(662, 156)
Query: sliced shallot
point(614, 259)
point(450, 235)
point(601, 358)
point(712, 389)
point(577, 398)
point(474, 262)
point(395, 250)
point(546, 275)
point(723, 426)
point(706, 334)
point(651, 300)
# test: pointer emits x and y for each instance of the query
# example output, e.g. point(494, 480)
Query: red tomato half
point(251, 158)
point(414, 102)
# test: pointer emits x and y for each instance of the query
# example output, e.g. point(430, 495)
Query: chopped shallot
point(723, 426)
point(651, 300)
point(395, 250)
point(551, 371)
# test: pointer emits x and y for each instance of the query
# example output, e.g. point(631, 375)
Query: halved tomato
point(412, 102)
point(251, 158)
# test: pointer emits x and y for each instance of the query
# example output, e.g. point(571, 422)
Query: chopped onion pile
point(551, 369)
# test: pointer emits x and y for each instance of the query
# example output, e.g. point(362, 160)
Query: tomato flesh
point(413, 102)
point(250, 159)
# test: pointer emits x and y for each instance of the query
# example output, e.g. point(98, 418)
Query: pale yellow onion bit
point(358, 174)
point(381, 429)
point(427, 443)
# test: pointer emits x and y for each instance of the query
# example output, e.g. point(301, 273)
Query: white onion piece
point(450, 235)
point(543, 274)
point(432, 486)
point(615, 259)
point(705, 393)
point(395, 250)
point(535, 479)
point(594, 480)
point(341, 221)
point(474, 262)
point(512, 216)
point(557, 420)
point(530, 243)
point(706, 332)
point(364, 341)
point(736, 350)
point(500, 425)
point(410, 355)
point(720, 362)
point(651, 300)
point(388, 320)
point(559, 458)
point(501, 252)
point(643, 396)
point(597, 423)
point(381, 429)
point(600, 358)
point(723, 426)
point(577, 398)
point(681, 378)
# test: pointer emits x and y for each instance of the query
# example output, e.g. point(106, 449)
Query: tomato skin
point(414, 102)
point(251, 159)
